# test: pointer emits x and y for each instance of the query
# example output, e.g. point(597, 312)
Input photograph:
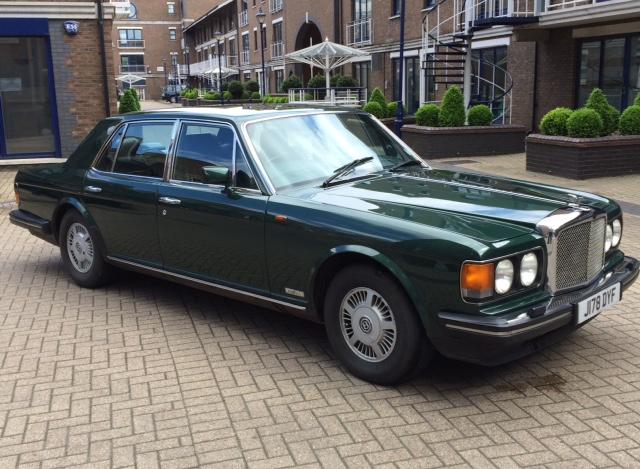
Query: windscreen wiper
point(342, 170)
point(405, 164)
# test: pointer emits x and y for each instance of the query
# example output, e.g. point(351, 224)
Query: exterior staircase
point(447, 59)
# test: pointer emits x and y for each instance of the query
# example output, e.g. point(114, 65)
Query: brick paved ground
point(150, 374)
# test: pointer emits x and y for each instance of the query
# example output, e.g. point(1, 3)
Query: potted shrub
point(128, 102)
point(450, 130)
point(590, 142)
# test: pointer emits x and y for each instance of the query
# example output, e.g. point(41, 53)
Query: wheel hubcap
point(80, 247)
point(368, 324)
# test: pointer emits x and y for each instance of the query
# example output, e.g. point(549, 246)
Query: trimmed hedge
point(128, 103)
point(392, 108)
point(377, 96)
point(428, 115)
point(211, 96)
point(293, 81)
point(317, 81)
point(554, 122)
point(479, 115)
point(373, 107)
point(452, 112)
point(584, 123)
point(252, 86)
point(228, 96)
point(630, 120)
point(609, 115)
point(255, 95)
point(236, 89)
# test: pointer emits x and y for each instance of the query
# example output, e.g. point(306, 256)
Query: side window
point(200, 146)
point(106, 161)
point(244, 175)
point(144, 149)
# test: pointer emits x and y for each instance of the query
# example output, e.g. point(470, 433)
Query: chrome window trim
point(552, 226)
point(236, 141)
point(311, 112)
point(482, 302)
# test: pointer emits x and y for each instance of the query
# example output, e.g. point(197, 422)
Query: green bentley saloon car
point(326, 214)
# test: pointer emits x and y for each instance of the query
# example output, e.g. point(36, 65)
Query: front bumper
point(489, 340)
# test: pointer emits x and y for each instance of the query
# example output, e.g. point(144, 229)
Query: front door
point(213, 231)
point(121, 191)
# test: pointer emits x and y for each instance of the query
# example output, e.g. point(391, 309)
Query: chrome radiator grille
point(580, 253)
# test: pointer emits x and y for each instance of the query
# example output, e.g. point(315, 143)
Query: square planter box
point(584, 158)
point(445, 142)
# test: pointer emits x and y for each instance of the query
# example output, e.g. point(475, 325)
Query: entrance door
point(412, 85)
point(27, 124)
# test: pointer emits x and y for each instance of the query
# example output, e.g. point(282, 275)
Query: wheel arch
point(339, 258)
point(73, 203)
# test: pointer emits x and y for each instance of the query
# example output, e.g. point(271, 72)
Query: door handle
point(169, 201)
point(94, 189)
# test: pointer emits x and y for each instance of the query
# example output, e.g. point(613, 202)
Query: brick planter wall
point(444, 142)
point(583, 158)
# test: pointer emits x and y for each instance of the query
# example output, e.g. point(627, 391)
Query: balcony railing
point(556, 5)
point(360, 32)
point(244, 57)
point(244, 18)
point(275, 6)
point(277, 50)
point(133, 68)
point(486, 10)
point(203, 67)
point(131, 43)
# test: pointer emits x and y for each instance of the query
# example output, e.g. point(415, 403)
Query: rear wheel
point(81, 254)
point(373, 326)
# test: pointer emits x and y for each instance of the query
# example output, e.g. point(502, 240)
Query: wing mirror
point(217, 175)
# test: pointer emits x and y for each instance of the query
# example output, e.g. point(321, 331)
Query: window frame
point(171, 162)
point(124, 126)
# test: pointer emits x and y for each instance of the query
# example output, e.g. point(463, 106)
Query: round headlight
point(528, 269)
point(503, 277)
point(608, 239)
point(616, 226)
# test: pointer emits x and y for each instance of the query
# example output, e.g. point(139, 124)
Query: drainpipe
point(103, 53)
point(535, 87)
point(337, 8)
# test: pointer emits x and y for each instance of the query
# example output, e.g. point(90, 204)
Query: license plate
point(597, 303)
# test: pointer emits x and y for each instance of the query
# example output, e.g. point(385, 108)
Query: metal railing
point(131, 43)
point(244, 18)
point(360, 32)
point(556, 5)
point(245, 57)
point(201, 68)
point(277, 50)
point(344, 96)
point(275, 6)
point(484, 9)
point(133, 68)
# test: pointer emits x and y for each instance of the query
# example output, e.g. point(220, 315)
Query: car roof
point(239, 114)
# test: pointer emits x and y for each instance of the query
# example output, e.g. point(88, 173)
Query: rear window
point(86, 152)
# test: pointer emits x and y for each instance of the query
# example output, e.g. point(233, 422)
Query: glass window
point(144, 149)
point(613, 70)
point(395, 7)
point(106, 161)
point(200, 146)
point(395, 66)
point(634, 69)
point(25, 96)
point(171, 8)
point(173, 34)
point(589, 69)
point(244, 176)
point(429, 3)
point(361, 72)
point(279, 80)
point(361, 9)
point(305, 150)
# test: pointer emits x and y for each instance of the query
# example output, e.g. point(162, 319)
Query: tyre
point(373, 327)
point(81, 254)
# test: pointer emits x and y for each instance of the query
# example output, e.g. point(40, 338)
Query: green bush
point(246, 95)
point(236, 89)
point(584, 123)
point(134, 93)
point(283, 100)
point(252, 86)
point(637, 101)
point(191, 93)
point(265, 99)
point(293, 81)
point(392, 108)
point(479, 115)
point(452, 112)
point(343, 81)
point(255, 95)
point(227, 96)
point(317, 81)
point(554, 122)
point(308, 97)
point(377, 96)
point(212, 96)
point(609, 115)
point(428, 115)
point(128, 103)
point(373, 107)
point(630, 120)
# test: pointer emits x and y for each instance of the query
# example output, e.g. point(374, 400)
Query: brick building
point(148, 44)
point(522, 57)
point(54, 84)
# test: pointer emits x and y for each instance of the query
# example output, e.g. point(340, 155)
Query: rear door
point(213, 232)
point(121, 190)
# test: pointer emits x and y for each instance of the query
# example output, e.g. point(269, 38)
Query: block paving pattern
point(148, 374)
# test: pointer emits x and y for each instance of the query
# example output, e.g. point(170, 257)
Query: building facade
point(55, 75)
point(521, 57)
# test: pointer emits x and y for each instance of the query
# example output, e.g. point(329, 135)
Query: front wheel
point(373, 327)
point(81, 254)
